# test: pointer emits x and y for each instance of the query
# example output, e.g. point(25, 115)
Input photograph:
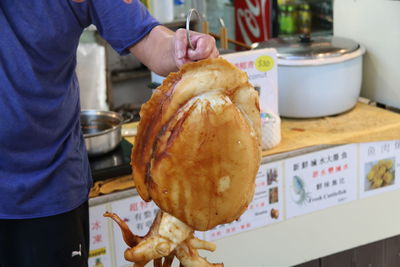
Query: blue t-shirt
point(44, 167)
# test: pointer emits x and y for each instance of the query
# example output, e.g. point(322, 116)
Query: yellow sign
point(264, 63)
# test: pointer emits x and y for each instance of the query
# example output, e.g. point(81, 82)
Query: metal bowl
point(101, 130)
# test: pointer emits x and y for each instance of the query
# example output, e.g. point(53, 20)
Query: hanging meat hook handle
point(188, 18)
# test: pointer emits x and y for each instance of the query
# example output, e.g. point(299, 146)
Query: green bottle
point(291, 20)
point(304, 19)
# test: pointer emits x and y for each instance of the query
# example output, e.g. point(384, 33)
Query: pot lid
point(306, 47)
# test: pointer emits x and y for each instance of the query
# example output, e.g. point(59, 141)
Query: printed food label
point(265, 208)
point(99, 254)
point(320, 180)
point(379, 167)
point(262, 72)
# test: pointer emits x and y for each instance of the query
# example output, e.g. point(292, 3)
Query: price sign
point(264, 63)
point(260, 66)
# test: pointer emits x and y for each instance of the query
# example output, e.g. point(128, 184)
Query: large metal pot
point(101, 130)
point(318, 76)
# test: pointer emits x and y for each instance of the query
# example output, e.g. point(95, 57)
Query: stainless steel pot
point(319, 76)
point(101, 130)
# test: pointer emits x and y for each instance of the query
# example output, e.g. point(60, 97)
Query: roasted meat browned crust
point(197, 150)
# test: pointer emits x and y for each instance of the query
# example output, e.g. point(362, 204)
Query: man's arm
point(164, 51)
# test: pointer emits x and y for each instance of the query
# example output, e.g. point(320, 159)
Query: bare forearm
point(156, 51)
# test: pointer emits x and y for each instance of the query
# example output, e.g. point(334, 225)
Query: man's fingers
point(180, 44)
point(204, 47)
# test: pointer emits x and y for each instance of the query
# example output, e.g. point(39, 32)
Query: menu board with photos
point(320, 180)
point(379, 167)
point(100, 253)
point(265, 208)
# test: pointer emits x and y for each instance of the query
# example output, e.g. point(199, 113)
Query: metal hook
point(221, 21)
point(188, 24)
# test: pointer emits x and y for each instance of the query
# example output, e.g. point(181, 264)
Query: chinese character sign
point(261, 68)
point(99, 254)
point(379, 167)
point(138, 215)
point(320, 180)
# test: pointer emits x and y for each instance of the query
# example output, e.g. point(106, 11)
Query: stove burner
point(129, 110)
point(113, 164)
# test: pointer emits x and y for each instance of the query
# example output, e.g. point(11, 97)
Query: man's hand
point(164, 51)
point(203, 44)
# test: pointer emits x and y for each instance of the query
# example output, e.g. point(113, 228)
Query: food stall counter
point(316, 194)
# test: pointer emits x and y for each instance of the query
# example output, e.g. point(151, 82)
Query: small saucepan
point(101, 130)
